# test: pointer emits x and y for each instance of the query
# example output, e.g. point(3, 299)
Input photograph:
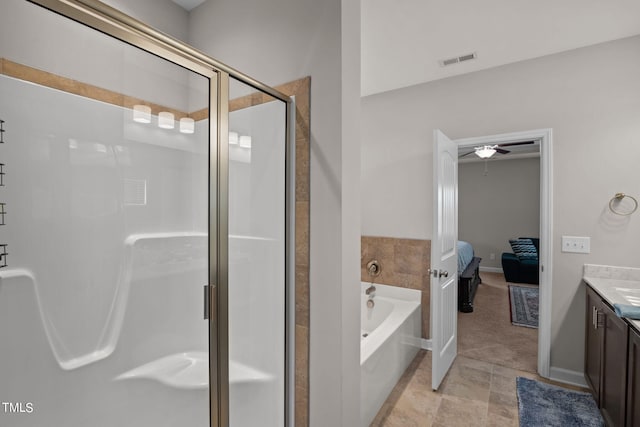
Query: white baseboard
point(425, 344)
point(567, 376)
point(491, 269)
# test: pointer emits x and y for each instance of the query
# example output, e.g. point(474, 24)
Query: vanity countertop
point(617, 285)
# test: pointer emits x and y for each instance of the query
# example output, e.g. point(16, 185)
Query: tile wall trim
point(75, 87)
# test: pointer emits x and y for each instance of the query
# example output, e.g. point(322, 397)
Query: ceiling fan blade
point(466, 154)
point(509, 144)
point(501, 151)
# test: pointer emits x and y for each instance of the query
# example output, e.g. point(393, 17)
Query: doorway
point(499, 205)
point(542, 138)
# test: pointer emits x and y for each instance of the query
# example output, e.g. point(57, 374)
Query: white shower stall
point(143, 231)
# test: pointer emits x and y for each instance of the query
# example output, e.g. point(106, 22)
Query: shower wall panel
point(106, 231)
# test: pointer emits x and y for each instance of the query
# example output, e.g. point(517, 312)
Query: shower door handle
point(206, 302)
point(208, 289)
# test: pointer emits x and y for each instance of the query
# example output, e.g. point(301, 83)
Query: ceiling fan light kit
point(486, 151)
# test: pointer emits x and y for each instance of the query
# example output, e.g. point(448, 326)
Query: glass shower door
point(257, 258)
point(104, 230)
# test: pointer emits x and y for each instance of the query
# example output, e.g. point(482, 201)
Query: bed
point(468, 276)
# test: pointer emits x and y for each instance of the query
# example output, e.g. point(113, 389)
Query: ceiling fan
point(486, 151)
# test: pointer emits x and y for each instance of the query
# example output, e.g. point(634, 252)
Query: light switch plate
point(581, 245)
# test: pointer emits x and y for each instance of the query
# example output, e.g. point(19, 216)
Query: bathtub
point(390, 335)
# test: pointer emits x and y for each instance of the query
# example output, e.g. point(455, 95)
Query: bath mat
point(541, 404)
point(523, 304)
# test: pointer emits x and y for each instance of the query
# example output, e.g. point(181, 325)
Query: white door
point(444, 263)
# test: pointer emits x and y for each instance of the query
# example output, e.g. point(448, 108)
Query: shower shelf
point(190, 371)
point(163, 254)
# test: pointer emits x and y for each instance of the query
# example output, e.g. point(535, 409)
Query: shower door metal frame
point(112, 22)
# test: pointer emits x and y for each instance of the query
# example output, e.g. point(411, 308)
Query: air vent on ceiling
point(457, 59)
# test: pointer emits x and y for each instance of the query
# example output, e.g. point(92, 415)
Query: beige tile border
point(75, 87)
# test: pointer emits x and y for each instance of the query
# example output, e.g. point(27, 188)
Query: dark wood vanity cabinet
point(633, 380)
point(606, 359)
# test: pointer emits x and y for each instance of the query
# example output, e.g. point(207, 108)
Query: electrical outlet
point(492, 256)
point(581, 245)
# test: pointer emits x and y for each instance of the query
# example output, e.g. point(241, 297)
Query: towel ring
point(618, 198)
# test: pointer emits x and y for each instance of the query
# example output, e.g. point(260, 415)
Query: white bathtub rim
point(376, 339)
point(405, 301)
point(395, 292)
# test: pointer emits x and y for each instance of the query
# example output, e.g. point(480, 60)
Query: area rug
point(541, 404)
point(523, 303)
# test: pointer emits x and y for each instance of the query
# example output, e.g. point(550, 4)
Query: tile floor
point(480, 388)
point(474, 393)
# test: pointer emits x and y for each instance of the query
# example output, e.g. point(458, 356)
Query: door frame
point(545, 136)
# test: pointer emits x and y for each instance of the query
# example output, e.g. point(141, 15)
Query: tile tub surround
point(404, 263)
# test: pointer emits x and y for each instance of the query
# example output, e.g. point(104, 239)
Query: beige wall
point(163, 15)
point(589, 96)
point(501, 205)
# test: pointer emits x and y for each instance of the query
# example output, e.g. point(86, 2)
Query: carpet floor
point(488, 335)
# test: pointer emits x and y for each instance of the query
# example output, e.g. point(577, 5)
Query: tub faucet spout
point(370, 290)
